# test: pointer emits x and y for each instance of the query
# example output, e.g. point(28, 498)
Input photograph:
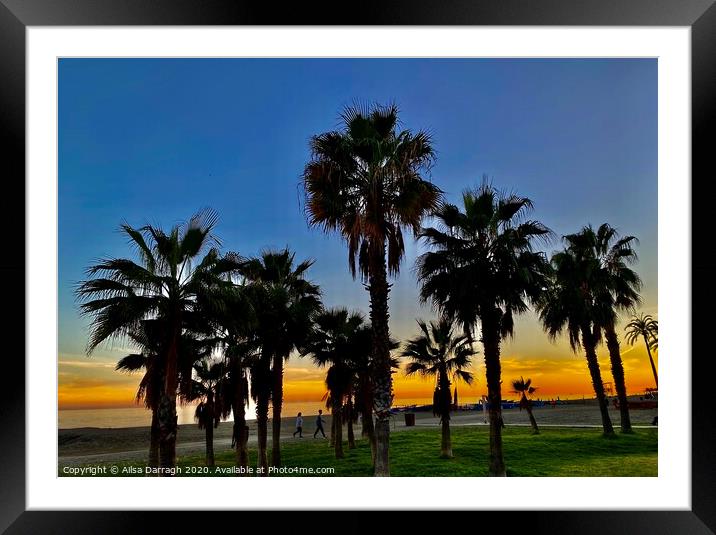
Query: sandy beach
point(90, 445)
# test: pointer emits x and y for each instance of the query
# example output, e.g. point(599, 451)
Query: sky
point(155, 140)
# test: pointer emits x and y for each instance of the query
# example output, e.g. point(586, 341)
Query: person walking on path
point(319, 424)
point(299, 426)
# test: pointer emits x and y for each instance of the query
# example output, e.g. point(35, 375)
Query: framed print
point(277, 251)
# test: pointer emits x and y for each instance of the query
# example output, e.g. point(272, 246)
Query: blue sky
point(154, 140)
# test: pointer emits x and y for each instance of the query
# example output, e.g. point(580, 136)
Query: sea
point(140, 417)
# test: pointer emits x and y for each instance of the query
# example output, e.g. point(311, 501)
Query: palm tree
point(568, 305)
point(438, 352)
point(289, 304)
point(366, 181)
point(331, 344)
point(206, 388)
point(260, 380)
point(120, 293)
point(149, 338)
point(363, 385)
point(525, 388)
point(150, 385)
point(483, 269)
point(233, 329)
point(647, 328)
point(239, 357)
point(614, 286)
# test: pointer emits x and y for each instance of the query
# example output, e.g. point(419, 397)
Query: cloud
point(85, 364)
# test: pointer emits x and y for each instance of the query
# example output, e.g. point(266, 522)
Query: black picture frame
point(17, 15)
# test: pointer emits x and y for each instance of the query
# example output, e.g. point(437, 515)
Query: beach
point(97, 445)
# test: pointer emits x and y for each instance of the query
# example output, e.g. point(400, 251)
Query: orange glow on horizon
point(97, 385)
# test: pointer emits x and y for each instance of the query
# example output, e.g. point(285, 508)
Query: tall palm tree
point(647, 328)
point(614, 286)
point(438, 352)
point(206, 388)
point(289, 304)
point(483, 269)
point(569, 305)
point(366, 181)
point(331, 345)
point(171, 272)
point(525, 389)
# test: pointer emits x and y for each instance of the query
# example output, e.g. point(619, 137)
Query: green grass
point(555, 453)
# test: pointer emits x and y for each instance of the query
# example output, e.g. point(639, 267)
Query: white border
point(672, 488)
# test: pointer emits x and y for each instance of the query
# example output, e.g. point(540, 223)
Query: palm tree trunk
point(167, 416)
point(589, 344)
point(651, 361)
point(337, 434)
point(533, 422)
point(618, 375)
point(154, 440)
point(382, 380)
point(351, 434)
point(276, 401)
point(240, 435)
point(262, 430)
point(332, 438)
point(168, 408)
point(491, 345)
point(209, 427)
point(446, 444)
point(368, 429)
point(210, 444)
point(444, 410)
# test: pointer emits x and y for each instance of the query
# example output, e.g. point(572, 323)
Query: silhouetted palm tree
point(614, 286)
point(362, 363)
point(260, 381)
point(120, 293)
point(288, 304)
point(483, 269)
point(568, 305)
point(647, 328)
point(438, 352)
point(367, 182)
point(206, 388)
point(525, 389)
point(150, 386)
point(239, 357)
point(331, 344)
point(231, 329)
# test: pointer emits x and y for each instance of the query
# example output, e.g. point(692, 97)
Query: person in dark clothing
point(319, 425)
point(299, 426)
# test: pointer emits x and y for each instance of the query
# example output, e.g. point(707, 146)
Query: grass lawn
point(555, 453)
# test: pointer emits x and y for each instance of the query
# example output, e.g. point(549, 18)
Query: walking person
point(299, 426)
point(319, 424)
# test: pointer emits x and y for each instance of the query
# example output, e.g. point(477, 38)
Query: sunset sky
point(153, 141)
